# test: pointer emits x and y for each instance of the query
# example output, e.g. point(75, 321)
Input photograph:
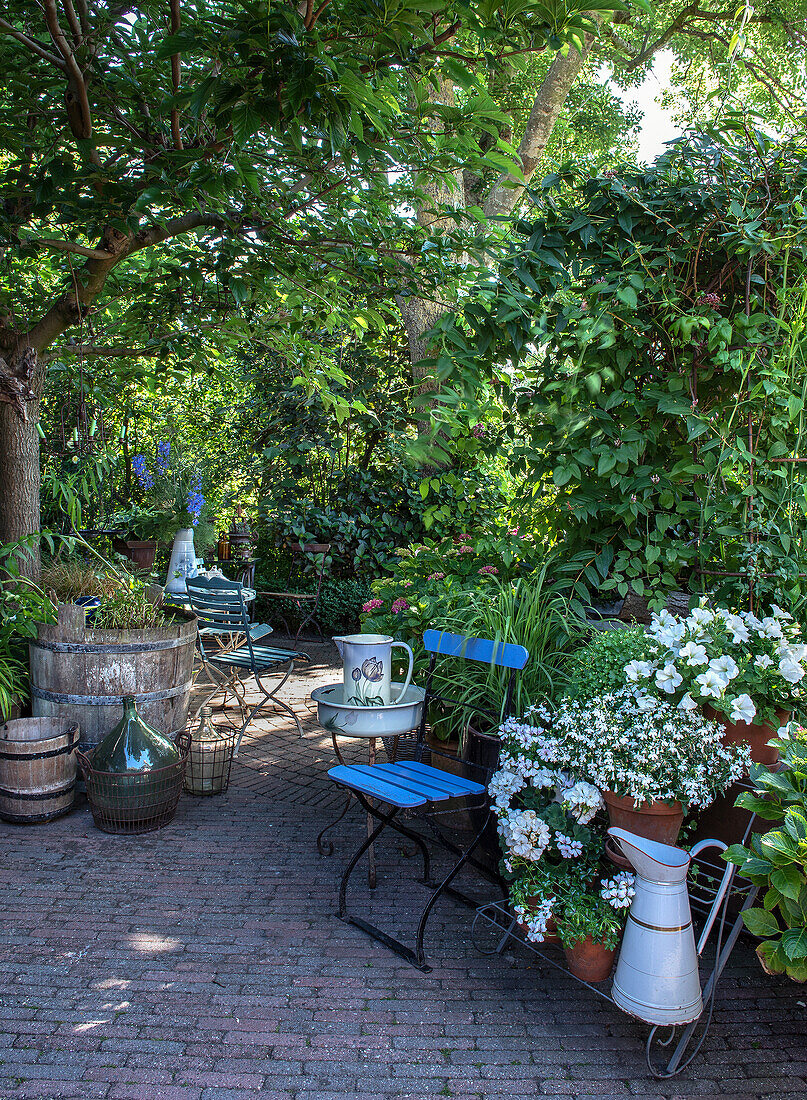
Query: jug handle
point(722, 889)
point(402, 692)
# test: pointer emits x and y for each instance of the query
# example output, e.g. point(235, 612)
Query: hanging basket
point(135, 801)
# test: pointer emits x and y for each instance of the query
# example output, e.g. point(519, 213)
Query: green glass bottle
point(133, 745)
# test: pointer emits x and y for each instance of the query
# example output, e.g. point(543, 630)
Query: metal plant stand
point(720, 899)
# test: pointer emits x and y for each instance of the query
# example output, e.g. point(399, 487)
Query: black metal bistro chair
point(387, 791)
point(221, 609)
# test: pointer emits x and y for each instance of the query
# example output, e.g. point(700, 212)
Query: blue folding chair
point(388, 790)
point(221, 609)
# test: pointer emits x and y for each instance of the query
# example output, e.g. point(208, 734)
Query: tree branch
point(81, 120)
point(75, 29)
point(59, 245)
point(33, 45)
point(547, 106)
point(176, 22)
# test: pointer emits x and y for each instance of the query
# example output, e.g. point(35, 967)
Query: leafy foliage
point(776, 861)
point(598, 667)
point(654, 322)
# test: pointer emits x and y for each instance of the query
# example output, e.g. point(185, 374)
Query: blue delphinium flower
point(163, 455)
point(142, 472)
point(195, 501)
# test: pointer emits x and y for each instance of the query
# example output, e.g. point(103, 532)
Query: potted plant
point(776, 861)
point(139, 531)
point(746, 671)
point(172, 487)
point(552, 832)
point(590, 930)
point(650, 759)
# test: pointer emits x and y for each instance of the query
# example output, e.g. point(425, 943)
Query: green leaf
point(794, 943)
point(760, 923)
point(788, 881)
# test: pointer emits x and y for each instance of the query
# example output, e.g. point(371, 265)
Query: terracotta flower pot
point(660, 821)
point(141, 552)
point(590, 961)
point(757, 736)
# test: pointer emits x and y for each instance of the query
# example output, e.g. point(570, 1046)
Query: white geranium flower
point(637, 670)
point(724, 666)
point(763, 661)
point(711, 683)
point(694, 654)
point(791, 670)
point(742, 709)
point(668, 678)
point(582, 800)
point(687, 703)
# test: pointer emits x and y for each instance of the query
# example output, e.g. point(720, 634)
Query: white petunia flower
point(711, 683)
point(687, 703)
point(724, 666)
point(668, 678)
point(791, 670)
point(770, 628)
point(694, 654)
point(637, 670)
point(702, 615)
point(742, 709)
point(763, 661)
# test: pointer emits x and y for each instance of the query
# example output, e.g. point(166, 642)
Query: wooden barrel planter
point(37, 769)
point(83, 674)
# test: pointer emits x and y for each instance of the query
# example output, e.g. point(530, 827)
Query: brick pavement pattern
point(205, 962)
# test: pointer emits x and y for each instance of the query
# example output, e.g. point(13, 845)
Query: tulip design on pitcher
point(370, 672)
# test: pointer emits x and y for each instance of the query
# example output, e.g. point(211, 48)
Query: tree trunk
point(19, 479)
point(418, 315)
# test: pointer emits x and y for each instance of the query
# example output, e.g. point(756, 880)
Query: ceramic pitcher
point(366, 659)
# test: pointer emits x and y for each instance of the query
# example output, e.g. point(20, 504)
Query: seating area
point(168, 969)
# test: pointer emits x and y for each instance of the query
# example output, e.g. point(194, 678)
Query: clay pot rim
point(657, 807)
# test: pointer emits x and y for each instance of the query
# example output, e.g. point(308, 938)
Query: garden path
point(204, 962)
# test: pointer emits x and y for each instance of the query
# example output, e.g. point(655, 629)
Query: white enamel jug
point(366, 659)
point(656, 975)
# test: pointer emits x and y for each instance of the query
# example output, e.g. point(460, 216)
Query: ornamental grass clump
point(742, 666)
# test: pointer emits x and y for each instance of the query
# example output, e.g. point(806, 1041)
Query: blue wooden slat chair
point(387, 790)
point(221, 609)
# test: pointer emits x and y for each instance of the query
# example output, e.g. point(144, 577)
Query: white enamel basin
point(353, 721)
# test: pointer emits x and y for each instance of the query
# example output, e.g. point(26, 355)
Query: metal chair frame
point(221, 609)
point(415, 786)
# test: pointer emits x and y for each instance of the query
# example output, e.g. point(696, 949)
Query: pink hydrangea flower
point(709, 299)
point(465, 550)
point(436, 577)
point(487, 569)
point(372, 605)
point(400, 605)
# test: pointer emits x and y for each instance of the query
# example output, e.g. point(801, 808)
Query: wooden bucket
point(37, 769)
point(83, 674)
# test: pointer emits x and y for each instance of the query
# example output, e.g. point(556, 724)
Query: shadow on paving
point(204, 962)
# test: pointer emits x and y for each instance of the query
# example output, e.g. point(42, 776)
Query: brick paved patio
point(204, 962)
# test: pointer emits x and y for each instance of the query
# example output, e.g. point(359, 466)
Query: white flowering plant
point(743, 666)
point(552, 831)
point(660, 753)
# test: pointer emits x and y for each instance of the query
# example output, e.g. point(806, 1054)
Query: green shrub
point(597, 668)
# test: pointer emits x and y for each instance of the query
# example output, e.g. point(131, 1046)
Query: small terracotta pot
point(590, 961)
point(757, 736)
point(141, 552)
point(659, 821)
